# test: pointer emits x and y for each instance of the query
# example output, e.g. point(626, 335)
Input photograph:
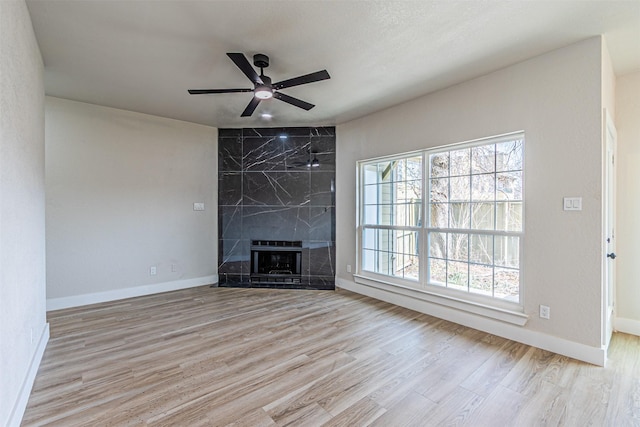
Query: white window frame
point(401, 228)
point(496, 308)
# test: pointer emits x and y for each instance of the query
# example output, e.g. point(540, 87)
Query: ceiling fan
point(262, 86)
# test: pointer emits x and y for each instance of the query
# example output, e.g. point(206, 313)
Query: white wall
point(556, 99)
point(23, 328)
point(120, 193)
point(628, 206)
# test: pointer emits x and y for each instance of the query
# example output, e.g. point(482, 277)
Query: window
point(472, 197)
point(475, 218)
point(392, 201)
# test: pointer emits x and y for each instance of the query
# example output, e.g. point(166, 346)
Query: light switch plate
point(572, 203)
point(577, 203)
point(198, 206)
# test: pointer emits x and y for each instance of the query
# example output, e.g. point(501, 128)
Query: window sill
point(497, 313)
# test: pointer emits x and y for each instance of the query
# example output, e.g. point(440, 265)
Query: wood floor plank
point(361, 413)
point(500, 408)
point(457, 408)
point(487, 377)
point(587, 401)
point(311, 414)
point(255, 418)
point(547, 406)
point(528, 375)
point(264, 357)
point(413, 409)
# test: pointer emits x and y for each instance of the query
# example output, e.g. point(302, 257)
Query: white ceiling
point(144, 55)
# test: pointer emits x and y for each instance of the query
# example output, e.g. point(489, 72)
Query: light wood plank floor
point(260, 357)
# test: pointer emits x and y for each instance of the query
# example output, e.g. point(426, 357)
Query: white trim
point(608, 269)
point(594, 355)
point(627, 326)
point(493, 312)
point(136, 291)
point(15, 417)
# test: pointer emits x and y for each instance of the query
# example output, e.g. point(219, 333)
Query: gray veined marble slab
point(322, 188)
point(275, 188)
point(230, 154)
point(267, 192)
point(229, 222)
point(275, 223)
point(229, 188)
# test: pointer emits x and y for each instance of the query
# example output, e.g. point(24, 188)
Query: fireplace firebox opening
point(276, 261)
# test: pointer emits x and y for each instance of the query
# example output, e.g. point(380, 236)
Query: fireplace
point(276, 262)
point(270, 201)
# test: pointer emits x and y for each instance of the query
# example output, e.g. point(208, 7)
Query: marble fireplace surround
point(267, 191)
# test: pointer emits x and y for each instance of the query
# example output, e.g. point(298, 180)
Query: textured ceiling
point(144, 55)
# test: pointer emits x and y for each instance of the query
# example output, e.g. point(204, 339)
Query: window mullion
point(423, 256)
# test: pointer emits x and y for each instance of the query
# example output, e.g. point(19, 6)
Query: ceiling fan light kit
point(262, 87)
point(263, 92)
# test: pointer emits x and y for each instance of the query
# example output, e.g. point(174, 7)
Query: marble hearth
point(267, 191)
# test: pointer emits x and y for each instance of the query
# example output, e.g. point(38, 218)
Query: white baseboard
point(627, 326)
point(15, 418)
point(136, 291)
point(594, 355)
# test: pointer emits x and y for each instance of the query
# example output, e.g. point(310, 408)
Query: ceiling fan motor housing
point(260, 60)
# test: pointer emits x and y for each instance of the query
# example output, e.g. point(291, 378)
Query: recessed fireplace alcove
point(273, 205)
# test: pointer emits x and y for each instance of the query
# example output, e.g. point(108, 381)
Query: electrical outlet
point(174, 268)
point(545, 312)
point(153, 270)
point(348, 268)
point(198, 206)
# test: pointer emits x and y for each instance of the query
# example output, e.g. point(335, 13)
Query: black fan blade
point(203, 91)
point(251, 107)
point(303, 80)
point(241, 62)
point(293, 101)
